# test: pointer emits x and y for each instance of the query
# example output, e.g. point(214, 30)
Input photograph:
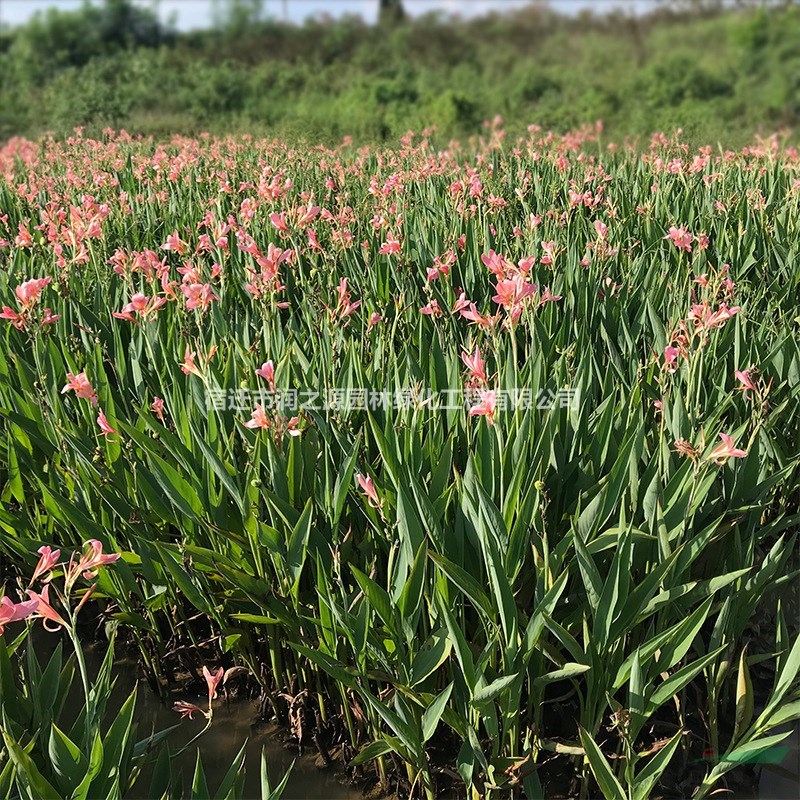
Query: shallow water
point(235, 723)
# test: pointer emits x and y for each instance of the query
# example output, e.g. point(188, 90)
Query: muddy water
point(235, 723)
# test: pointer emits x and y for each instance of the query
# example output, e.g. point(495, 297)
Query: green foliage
point(559, 584)
point(718, 75)
point(48, 752)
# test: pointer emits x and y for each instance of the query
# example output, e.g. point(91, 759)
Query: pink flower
point(460, 304)
point(267, 372)
point(496, 263)
point(313, 242)
point(259, 419)
point(743, 376)
point(187, 709)
point(549, 253)
point(142, 305)
point(293, 427)
point(23, 238)
point(189, 367)
point(368, 488)
point(212, 681)
point(138, 302)
point(348, 309)
point(601, 229)
point(390, 248)
point(486, 407)
point(158, 408)
point(374, 319)
point(681, 238)
point(174, 242)
point(105, 428)
point(476, 318)
point(28, 293)
point(512, 292)
point(279, 221)
point(705, 318)
point(475, 364)
point(43, 608)
point(13, 612)
point(48, 318)
point(527, 264)
point(48, 559)
point(722, 452)
point(670, 358)
point(307, 215)
point(198, 295)
point(431, 309)
point(344, 307)
point(92, 558)
point(81, 386)
point(16, 319)
point(441, 265)
point(548, 297)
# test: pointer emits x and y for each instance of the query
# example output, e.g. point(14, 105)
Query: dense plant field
point(481, 464)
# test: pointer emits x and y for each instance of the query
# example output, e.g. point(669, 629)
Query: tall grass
point(583, 591)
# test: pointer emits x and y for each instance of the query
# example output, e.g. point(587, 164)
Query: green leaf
point(371, 751)
point(67, 761)
point(433, 653)
point(298, 544)
point(95, 765)
point(489, 693)
point(569, 670)
point(606, 780)
point(648, 777)
point(29, 775)
point(785, 680)
point(267, 792)
point(344, 480)
point(432, 715)
point(678, 680)
point(379, 600)
point(234, 777)
point(199, 784)
point(468, 585)
point(744, 697)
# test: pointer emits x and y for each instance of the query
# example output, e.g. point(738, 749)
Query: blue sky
point(197, 13)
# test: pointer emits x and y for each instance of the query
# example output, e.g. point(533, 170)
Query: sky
point(190, 14)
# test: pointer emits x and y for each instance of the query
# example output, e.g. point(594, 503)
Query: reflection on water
point(235, 723)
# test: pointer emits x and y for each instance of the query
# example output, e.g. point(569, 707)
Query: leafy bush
point(345, 77)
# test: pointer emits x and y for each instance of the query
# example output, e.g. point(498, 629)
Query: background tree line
point(720, 72)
